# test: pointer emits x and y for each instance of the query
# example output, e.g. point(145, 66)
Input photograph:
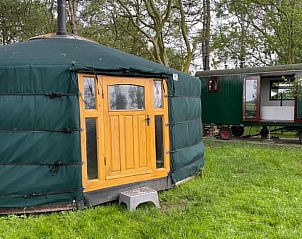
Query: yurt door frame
point(125, 136)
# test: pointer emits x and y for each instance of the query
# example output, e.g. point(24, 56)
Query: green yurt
point(81, 122)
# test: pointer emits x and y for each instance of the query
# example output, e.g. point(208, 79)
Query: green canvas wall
point(40, 158)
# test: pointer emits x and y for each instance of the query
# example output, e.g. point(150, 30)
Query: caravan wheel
point(264, 132)
point(225, 133)
point(300, 136)
point(237, 131)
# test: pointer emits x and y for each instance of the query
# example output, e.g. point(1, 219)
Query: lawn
point(253, 130)
point(246, 191)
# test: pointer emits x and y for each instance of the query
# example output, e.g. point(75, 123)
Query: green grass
point(246, 191)
point(253, 130)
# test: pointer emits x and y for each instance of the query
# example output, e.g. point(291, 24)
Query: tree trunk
point(187, 62)
point(242, 54)
point(73, 16)
point(206, 34)
point(184, 32)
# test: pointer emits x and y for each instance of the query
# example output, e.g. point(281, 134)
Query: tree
point(97, 21)
point(262, 32)
point(20, 20)
point(162, 24)
point(150, 18)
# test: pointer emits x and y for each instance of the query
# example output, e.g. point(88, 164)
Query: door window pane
point(91, 148)
point(126, 97)
point(159, 142)
point(250, 99)
point(157, 89)
point(89, 93)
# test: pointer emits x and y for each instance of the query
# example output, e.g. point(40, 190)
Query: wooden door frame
point(166, 134)
point(90, 185)
point(99, 114)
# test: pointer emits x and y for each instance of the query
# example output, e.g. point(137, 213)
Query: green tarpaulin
point(40, 158)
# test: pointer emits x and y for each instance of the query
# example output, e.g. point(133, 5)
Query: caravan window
point(213, 84)
point(282, 89)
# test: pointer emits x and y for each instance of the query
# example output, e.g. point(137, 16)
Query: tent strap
point(57, 163)
point(53, 167)
point(183, 122)
point(51, 95)
point(183, 96)
point(177, 150)
point(65, 130)
point(31, 195)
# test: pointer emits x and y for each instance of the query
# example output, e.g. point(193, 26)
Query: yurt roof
point(71, 50)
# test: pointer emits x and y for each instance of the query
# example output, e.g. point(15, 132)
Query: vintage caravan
point(267, 96)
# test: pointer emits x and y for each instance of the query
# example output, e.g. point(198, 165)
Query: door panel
point(128, 144)
point(251, 98)
point(142, 137)
point(115, 163)
point(129, 132)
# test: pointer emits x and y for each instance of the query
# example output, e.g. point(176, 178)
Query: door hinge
point(105, 160)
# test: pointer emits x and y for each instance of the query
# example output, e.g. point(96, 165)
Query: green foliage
point(144, 29)
point(262, 32)
point(245, 33)
point(97, 22)
point(20, 20)
point(246, 191)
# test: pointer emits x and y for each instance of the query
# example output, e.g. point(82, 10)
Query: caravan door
point(251, 98)
point(298, 98)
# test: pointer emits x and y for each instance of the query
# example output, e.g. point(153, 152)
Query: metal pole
point(62, 17)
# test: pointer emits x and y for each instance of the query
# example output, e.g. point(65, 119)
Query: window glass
point(126, 97)
point(159, 141)
point(91, 148)
point(89, 93)
point(157, 91)
point(282, 89)
point(213, 84)
point(251, 98)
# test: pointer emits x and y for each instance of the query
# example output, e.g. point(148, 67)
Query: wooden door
point(127, 128)
point(125, 136)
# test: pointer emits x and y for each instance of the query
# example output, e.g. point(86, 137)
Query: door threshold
point(100, 196)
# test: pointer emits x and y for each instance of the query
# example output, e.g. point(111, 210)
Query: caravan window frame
point(281, 88)
point(213, 84)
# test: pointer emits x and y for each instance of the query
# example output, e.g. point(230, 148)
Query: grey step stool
point(134, 197)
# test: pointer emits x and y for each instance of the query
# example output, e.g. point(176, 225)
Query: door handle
point(148, 119)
